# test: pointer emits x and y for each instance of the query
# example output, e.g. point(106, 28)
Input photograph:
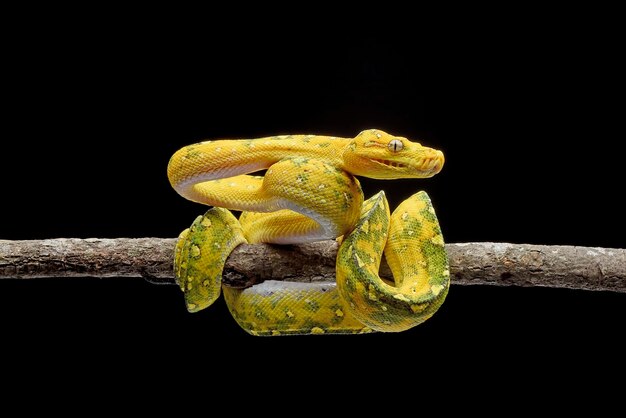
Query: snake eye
point(395, 145)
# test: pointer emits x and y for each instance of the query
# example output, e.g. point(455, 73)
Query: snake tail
point(291, 308)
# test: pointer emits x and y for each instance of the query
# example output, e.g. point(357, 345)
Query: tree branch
point(470, 263)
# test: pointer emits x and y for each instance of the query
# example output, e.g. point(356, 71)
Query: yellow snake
point(309, 193)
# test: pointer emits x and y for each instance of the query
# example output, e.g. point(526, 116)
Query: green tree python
point(309, 193)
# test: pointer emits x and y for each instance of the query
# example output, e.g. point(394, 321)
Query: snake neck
point(212, 160)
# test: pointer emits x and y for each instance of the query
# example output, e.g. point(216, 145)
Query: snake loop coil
point(309, 193)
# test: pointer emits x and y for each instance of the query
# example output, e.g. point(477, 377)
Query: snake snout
point(437, 162)
point(432, 163)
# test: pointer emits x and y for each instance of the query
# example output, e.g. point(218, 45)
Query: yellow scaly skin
point(309, 193)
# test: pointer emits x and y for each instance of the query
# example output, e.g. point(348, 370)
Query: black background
point(529, 114)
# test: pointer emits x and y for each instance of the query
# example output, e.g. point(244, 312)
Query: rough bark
point(482, 263)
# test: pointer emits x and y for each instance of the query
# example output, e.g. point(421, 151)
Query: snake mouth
point(388, 163)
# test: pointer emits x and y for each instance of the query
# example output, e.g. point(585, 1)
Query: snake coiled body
point(308, 193)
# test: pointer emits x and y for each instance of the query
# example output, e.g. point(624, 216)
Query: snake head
point(379, 155)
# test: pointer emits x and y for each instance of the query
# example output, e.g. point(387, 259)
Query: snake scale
point(309, 193)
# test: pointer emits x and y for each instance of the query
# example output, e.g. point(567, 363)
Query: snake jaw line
point(392, 164)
